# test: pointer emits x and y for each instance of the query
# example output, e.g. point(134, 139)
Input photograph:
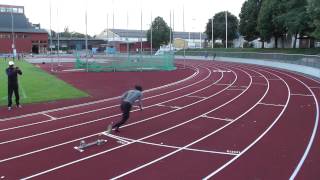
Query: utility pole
point(226, 29)
point(12, 31)
point(212, 32)
point(51, 59)
point(86, 21)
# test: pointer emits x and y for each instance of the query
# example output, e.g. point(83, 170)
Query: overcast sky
point(71, 13)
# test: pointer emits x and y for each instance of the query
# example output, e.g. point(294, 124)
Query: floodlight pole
point(58, 38)
point(127, 34)
point(212, 32)
point(184, 42)
point(151, 35)
point(108, 27)
point(200, 40)
point(226, 29)
point(51, 59)
point(12, 31)
point(172, 40)
point(86, 21)
point(141, 33)
point(170, 32)
point(113, 18)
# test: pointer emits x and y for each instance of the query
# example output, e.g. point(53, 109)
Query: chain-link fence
point(126, 62)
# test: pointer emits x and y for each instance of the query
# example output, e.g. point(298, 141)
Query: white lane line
point(223, 84)
point(96, 120)
point(256, 76)
point(100, 101)
point(94, 155)
point(228, 152)
point(260, 84)
point(172, 107)
point(222, 119)
point(310, 95)
point(116, 137)
point(65, 143)
point(315, 87)
point(256, 140)
point(314, 131)
point(51, 117)
point(194, 142)
point(267, 104)
point(200, 97)
point(221, 71)
point(87, 112)
point(233, 89)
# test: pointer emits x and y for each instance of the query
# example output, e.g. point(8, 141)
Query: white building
point(192, 39)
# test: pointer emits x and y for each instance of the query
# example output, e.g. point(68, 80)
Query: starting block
point(83, 145)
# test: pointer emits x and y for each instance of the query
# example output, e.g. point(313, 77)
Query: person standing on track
point(13, 87)
point(127, 100)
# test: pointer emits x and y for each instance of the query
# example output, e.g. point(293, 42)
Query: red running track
point(226, 121)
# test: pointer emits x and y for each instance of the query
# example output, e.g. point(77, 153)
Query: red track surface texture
point(222, 121)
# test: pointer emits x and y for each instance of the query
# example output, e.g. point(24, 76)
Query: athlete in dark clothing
point(13, 86)
point(127, 100)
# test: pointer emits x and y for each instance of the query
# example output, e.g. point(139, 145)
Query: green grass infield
point(36, 85)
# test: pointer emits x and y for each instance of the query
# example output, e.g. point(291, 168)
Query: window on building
point(20, 10)
point(4, 36)
point(15, 10)
point(9, 9)
point(2, 9)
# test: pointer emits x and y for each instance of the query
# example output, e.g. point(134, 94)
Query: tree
point(314, 13)
point(269, 23)
point(160, 33)
point(296, 19)
point(219, 27)
point(248, 19)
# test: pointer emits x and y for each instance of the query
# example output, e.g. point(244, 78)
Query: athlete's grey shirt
point(131, 96)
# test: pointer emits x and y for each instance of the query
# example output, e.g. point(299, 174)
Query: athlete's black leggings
point(125, 108)
point(13, 88)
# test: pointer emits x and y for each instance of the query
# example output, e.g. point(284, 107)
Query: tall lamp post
point(226, 29)
point(12, 31)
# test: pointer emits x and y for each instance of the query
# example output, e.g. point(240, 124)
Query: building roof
point(138, 33)
point(20, 23)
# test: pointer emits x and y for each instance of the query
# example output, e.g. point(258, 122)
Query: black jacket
point(12, 73)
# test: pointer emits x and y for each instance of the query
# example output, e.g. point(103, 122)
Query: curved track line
point(97, 154)
point(314, 131)
point(255, 141)
point(110, 117)
point(96, 102)
point(91, 111)
point(198, 140)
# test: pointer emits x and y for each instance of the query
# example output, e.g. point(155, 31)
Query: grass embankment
point(35, 85)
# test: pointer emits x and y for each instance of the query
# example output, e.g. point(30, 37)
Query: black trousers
point(125, 108)
point(13, 88)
